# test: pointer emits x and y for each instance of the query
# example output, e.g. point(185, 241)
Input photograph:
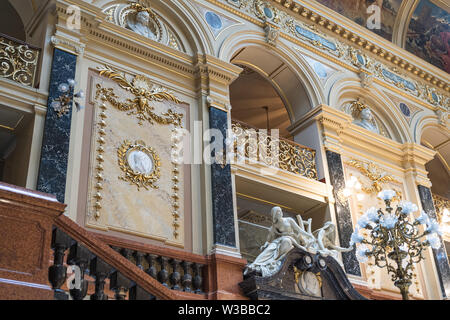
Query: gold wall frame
point(140, 179)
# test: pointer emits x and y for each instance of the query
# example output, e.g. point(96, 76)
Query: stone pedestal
point(302, 276)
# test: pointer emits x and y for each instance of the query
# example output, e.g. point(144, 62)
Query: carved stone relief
point(144, 21)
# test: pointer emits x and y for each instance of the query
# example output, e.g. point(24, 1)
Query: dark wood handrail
point(2, 35)
point(148, 248)
point(120, 263)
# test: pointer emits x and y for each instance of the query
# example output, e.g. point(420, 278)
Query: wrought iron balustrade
point(280, 153)
point(18, 60)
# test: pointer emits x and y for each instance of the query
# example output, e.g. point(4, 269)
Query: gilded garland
point(374, 173)
point(144, 93)
point(140, 164)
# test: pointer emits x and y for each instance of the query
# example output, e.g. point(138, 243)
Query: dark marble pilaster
point(222, 192)
point(343, 215)
point(440, 256)
point(55, 143)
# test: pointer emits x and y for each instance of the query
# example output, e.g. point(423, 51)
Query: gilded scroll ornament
point(376, 175)
point(144, 93)
point(17, 61)
point(290, 156)
point(441, 204)
point(140, 164)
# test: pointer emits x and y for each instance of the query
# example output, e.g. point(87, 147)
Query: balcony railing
point(274, 152)
point(18, 60)
point(442, 206)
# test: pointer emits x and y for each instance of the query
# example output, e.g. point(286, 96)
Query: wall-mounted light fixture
point(62, 104)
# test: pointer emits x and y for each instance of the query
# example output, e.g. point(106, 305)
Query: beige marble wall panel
point(125, 207)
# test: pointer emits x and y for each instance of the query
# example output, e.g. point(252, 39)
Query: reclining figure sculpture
point(286, 234)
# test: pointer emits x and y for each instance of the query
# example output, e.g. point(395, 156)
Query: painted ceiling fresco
point(428, 34)
point(357, 10)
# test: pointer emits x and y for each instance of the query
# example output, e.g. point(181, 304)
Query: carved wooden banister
point(179, 270)
point(120, 263)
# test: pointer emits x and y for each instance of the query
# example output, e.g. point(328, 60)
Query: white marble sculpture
point(325, 239)
point(285, 235)
point(364, 118)
point(139, 23)
point(140, 162)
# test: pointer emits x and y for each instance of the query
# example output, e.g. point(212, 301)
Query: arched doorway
point(268, 94)
point(439, 174)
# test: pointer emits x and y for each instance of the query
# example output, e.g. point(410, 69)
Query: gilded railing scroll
point(442, 207)
point(262, 147)
point(18, 60)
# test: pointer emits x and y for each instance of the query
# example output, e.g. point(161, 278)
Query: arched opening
point(439, 174)
point(268, 94)
point(256, 102)
point(10, 22)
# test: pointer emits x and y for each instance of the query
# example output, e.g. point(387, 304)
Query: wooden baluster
point(175, 276)
point(127, 253)
point(187, 277)
point(137, 293)
point(198, 278)
point(79, 256)
point(119, 284)
point(163, 275)
point(138, 256)
point(151, 259)
point(100, 270)
point(57, 273)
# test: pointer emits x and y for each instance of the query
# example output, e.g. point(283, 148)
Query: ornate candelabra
point(393, 239)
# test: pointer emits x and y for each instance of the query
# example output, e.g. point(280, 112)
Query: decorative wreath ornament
point(140, 164)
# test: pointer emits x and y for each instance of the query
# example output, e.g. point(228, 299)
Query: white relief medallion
point(140, 162)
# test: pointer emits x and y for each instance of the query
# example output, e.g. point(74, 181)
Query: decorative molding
point(342, 53)
point(144, 92)
point(138, 178)
point(65, 44)
point(141, 88)
point(376, 175)
point(158, 30)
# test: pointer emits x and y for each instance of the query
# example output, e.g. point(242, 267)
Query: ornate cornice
point(375, 45)
point(356, 49)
